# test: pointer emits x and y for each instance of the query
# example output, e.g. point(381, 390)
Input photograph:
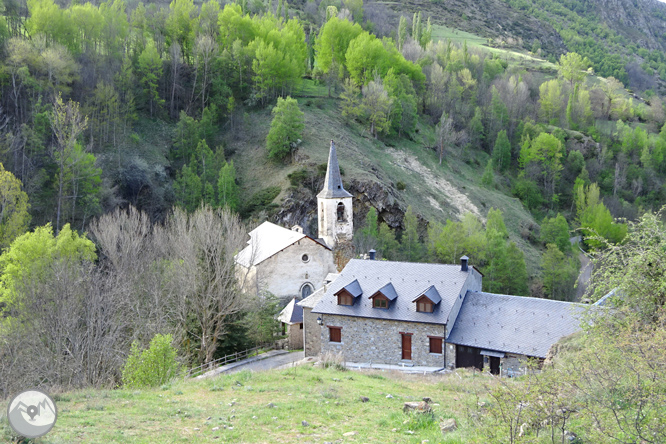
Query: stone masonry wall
point(295, 337)
point(379, 341)
point(513, 364)
point(311, 331)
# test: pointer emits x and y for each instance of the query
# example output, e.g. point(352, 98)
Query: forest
point(121, 225)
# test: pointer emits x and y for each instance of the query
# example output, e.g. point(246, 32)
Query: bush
point(152, 367)
point(260, 200)
point(400, 186)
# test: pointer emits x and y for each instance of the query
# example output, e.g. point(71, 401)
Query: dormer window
point(426, 301)
point(380, 301)
point(347, 294)
point(344, 298)
point(424, 305)
point(383, 297)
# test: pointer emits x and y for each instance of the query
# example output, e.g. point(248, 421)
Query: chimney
point(463, 263)
point(372, 254)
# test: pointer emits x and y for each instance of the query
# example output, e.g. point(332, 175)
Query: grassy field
point(235, 408)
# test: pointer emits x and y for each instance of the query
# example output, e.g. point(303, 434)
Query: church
point(290, 264)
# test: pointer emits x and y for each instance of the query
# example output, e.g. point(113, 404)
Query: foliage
point(559, 273)
point(153, 366)
point(14, 216)
point(502, 152)
point(286, 129)
point(555, 230)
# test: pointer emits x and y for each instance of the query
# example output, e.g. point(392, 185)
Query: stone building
point(311, 329)
point(433, 315)
point(291, 318)
point(286, 263)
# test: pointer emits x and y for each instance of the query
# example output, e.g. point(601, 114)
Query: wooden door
point(468, 357)
point(407, 347)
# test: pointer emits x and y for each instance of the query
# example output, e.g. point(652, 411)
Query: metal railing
point(228, 359)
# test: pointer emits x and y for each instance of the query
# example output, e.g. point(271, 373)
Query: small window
point(379, 302)
point(305, 258)
point(424, 306)
point(301, 326)
point(335, 334)
point(436, 345)
point(341, 212)
point(345, 298)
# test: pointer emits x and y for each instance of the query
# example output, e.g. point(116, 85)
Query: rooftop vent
point(372, 254)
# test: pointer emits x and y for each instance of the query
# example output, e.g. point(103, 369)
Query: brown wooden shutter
point(335, 334)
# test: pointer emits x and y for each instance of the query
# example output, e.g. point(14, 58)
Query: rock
point(254, 417)
point(410, 432)
point(196, 429)
point(336, 379)
point(304, 423)
point(215, 429)
point(394, 430)
point(481, 404)
point(232, 403)
point(389, 396)
point(364, 399)
point(350, 434)
point(270, 405)
point(448, 425)
point(420, 407)
point(426, 399)
point(209, 418)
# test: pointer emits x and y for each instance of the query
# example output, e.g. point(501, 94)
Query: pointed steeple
point(333, 183)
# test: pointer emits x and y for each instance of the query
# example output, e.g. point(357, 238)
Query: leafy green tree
point(150, 72)
point(488, 178)
point(14, 216)
point(402, 32)
point(333, 41)
point(516, 277)
point(376, 105)
point(551, 102)
point(28, 256)
point(286, 129)
point(555, 230)
point(412, 248)
point(371, 226)
point(227, 188)
point(502, 152)
point(476, 129)
point(572, 67)
point(152, 367)
point(559, 274)
point(188, 189)
point(545, 154)
point(495, 222)
point(187, 136)
point(387, 244)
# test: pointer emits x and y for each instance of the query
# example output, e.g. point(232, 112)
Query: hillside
point(609, 32)
point(372, 171)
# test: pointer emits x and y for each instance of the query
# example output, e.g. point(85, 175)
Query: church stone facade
point(334, 213)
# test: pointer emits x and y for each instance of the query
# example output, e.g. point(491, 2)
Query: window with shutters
point(435, 344)
point(335, 334)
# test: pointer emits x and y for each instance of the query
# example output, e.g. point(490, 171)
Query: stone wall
point(285, 273)
point(380, 342)
point(330, 229)
point(311, 332)
point(295, 335)
point(513, 365)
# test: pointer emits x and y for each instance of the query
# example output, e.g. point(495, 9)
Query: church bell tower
point(335, 214)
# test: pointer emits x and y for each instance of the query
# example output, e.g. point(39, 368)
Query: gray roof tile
point(514, 324)
point(432, 294)
point(388, 291)
point(292, 313)
point(409, 281)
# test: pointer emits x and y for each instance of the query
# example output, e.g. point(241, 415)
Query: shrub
point(151, 367)
point(260, 200)
point(400, 186)
point(333, 360)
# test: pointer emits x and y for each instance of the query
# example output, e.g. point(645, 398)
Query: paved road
point(269, 363)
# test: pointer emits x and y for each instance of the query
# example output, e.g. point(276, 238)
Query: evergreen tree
point(517, 271)
point(388, 246)
point(188, 189)
point(150, 73)
point(227, 188)
point(502, 152)
point(412, 249)
point(488, 178)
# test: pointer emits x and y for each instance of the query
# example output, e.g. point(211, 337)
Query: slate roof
point(333, 182)
point(409, 280)
point(265, 241)
point(432, 294)
point(292, 313)
point(514, 324)
point(353, 288)
point(315, 297)
point(387, 290)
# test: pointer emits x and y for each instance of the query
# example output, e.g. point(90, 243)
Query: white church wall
point(330, 229)
point(285, 273)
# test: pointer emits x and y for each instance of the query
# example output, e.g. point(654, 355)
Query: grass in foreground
point(235, 408)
